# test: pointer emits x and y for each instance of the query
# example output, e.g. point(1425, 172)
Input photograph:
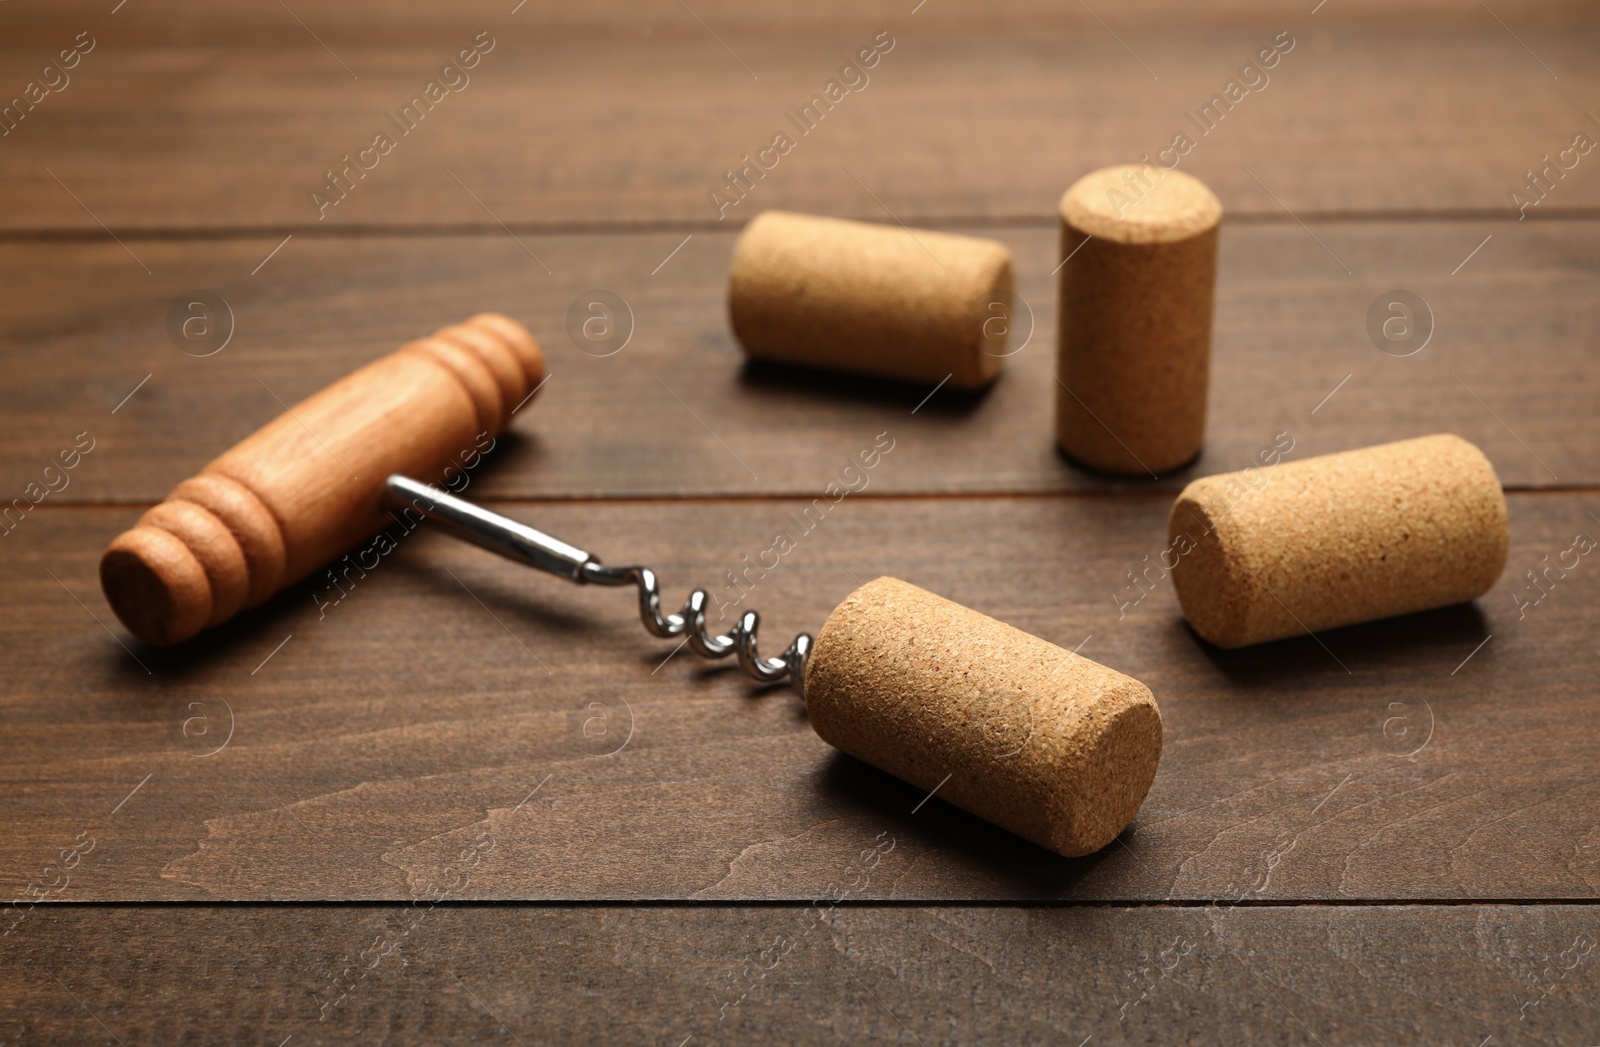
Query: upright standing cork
point(1134, 350)
point(309, 484)
point(1032, 737)
point(881, 300)
point(1335, 540)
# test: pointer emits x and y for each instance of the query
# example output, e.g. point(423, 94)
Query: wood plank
point(453, 738)
point(423, 710)
point(449, 974)
point(677, 413)
point(409, 21)
point(211, 125)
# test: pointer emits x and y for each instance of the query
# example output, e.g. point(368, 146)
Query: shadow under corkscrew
point(533, 548)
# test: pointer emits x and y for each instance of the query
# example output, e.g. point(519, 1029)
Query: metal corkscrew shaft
point(533, 548)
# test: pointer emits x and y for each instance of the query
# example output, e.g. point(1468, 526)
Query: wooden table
point(466, 803)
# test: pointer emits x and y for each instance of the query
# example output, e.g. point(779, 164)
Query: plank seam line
point(786, 903)
point(1039, 221)
point(535, 501)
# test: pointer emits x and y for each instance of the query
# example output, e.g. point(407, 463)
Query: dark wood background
point(383, 821)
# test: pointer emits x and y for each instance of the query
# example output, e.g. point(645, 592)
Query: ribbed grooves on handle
point(214, 548)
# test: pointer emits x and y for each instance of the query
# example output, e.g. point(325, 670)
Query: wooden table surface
point(384, 820)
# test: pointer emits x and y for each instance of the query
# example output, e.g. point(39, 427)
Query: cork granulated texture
point(1299, 547)
point(912, 305)
point(1032, 737)
point(1134, 344)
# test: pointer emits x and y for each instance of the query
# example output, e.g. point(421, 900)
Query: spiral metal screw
point(532, 547)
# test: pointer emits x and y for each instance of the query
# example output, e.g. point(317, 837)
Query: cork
point(907, 304)
point(1134, 344)
point(1344, 538)
point(1032, 737)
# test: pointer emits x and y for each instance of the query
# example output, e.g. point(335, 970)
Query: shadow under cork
point(937, 825)
point(834, 386)
point(1425, 644)
point(694, 674)
point(1173, 479)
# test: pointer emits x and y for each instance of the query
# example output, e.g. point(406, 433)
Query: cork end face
point(1211, 584)
point(1141, 204)
point(996, 328)
point(1492, 519)
point(1115, 776)
point(156, 586)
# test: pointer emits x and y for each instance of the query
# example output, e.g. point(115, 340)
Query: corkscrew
point(534, 548)
point(914, 684)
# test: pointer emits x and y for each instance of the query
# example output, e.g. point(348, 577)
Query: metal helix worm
point(690, 622)
point(534, 548)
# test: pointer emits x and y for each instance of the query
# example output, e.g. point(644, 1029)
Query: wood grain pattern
point(159, 22)
point(676, 411)
point(419, 710)
point(1326, 975)
point(205, 130)
point(440, 725)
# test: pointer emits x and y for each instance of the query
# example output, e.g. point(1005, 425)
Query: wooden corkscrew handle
point(310, 483)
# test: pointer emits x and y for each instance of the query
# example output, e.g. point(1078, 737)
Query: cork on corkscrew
point(1038, 740)
point(310, 483)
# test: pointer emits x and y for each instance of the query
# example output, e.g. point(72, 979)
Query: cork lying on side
point(1034, 738)
point(913, 305)
point(1134, 345)
point(1336, 540)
